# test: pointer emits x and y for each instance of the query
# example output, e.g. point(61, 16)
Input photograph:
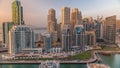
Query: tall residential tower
point(52, 21)
point(6, 28)
point(20, 37)
point(76, 18)
point(17, 13)
point(79, 37)
point(52, 24)
point(66, 38)
point(65, 16)
point(110, 29)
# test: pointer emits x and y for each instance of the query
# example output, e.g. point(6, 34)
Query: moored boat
point(94, 65)
point(49, 64)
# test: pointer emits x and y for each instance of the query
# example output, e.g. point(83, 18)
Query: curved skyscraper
point(17, 13)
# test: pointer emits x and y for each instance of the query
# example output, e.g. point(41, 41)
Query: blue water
point(37, 66)
point(113, 61)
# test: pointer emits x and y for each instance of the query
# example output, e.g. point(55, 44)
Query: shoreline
point(39, 62)
point(91, 60)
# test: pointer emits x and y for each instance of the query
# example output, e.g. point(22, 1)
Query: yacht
point(94, 65)
point(49, 64)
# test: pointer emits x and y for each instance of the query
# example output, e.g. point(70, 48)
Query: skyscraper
point(6, 27)
point(48, 42)
point(17, 13)
point(76, 18)
point(99, 28)
point(65, 16)
point(52, 24)
point(79, 36)
point(110, 29)
point(88, 24)
point(66, 38)
point(52, 21)
point(20, 37)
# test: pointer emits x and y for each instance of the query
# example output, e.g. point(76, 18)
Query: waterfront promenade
point(92, 59)
point(39, 61)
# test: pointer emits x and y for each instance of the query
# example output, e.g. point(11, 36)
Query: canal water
point(37, 66)
point(113, 61)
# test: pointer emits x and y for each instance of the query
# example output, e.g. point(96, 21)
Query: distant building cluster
point(74, 32)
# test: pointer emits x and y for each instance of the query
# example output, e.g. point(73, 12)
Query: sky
point(36, 11)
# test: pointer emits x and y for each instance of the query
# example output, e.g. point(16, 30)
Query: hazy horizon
point(35, 11)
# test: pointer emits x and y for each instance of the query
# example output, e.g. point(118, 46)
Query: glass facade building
point(66, 38)
point(99, 30)
point(17, 13)
point(52, 21)
point(20, 37)
point(65, 16)
point(79, 36)
point(48, 42)
point(88, 25)
point(6, 28)
point(110, 29)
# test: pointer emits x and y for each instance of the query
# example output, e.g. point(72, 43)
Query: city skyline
point(44, 32)
point(31, 9)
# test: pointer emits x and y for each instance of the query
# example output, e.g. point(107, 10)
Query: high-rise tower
point(76, 18)
point(52, 21)
point(6, 28)
point(17, 13)
point(20, 37)
point(110, 29)
point(99, 23)
point(65, 16)
point(52, 24)
point(79, 37)
point(66, 38)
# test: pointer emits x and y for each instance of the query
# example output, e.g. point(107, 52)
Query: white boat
point(49, 64)
point(94, 65)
